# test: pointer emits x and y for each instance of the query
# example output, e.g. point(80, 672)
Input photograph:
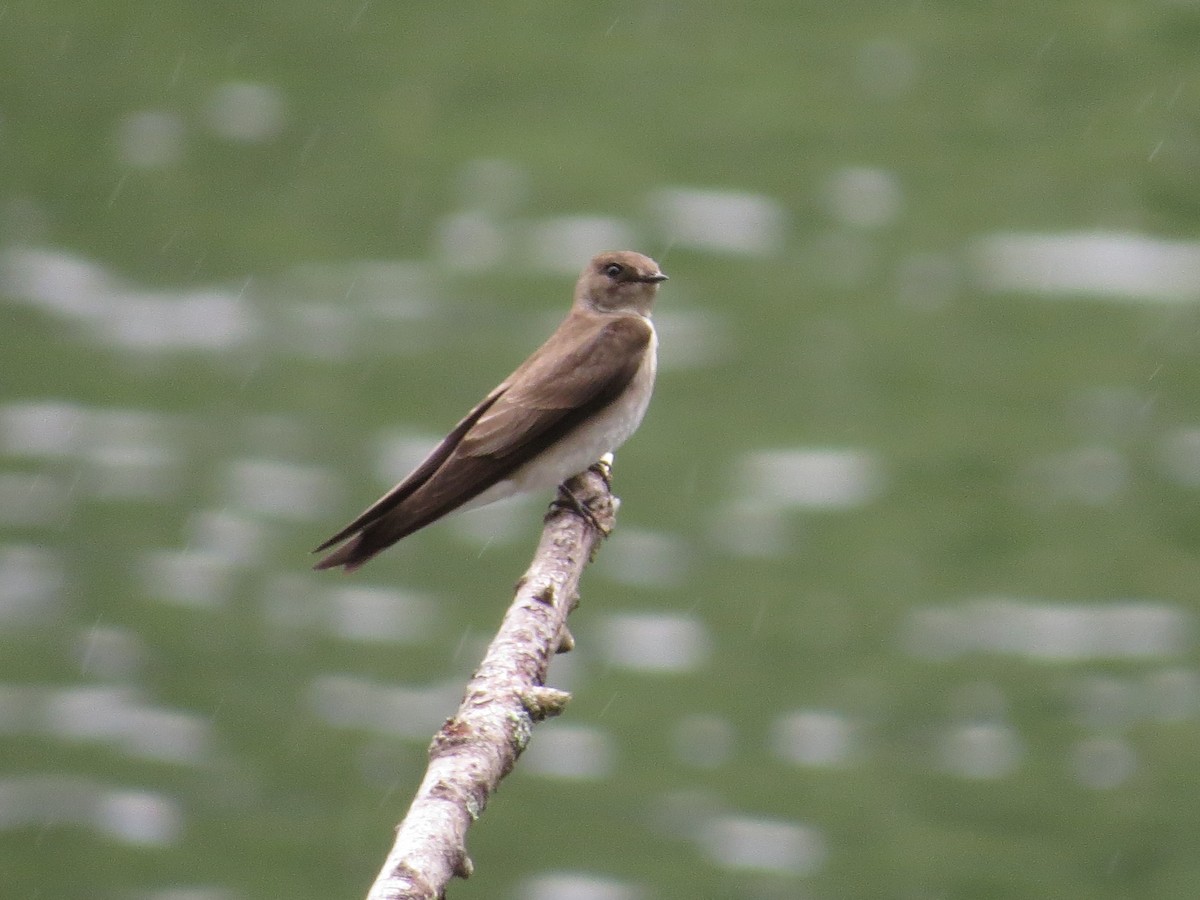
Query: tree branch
point(480, 744)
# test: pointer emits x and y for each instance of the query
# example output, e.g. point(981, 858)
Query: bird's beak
point(654, 279)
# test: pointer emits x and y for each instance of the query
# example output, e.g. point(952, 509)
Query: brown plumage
point(579, 396)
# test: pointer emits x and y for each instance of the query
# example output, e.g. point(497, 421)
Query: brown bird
point(579, 396)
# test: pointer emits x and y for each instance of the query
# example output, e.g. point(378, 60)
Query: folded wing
point(550, 395)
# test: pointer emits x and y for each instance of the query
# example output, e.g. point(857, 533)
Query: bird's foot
point(566, 499)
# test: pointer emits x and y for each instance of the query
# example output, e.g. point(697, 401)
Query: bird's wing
point(543, 400)
point(552, 393)
point(417, 476)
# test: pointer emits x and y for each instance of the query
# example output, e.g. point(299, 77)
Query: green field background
point(971, 674)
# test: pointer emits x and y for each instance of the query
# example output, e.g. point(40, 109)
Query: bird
point(580, 395)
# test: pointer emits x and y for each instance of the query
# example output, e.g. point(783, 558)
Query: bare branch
point(480, 744)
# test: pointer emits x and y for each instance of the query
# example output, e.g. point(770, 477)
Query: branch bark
point(480, 744)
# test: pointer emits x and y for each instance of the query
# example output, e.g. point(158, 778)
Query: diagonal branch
point(480, 744)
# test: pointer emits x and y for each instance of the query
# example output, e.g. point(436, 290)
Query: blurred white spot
point(1051, 632)
point(813, 737)
point(50, 429)
point(399, 452)
point(1102, 265)
point(212, 320)
point(1173, 695)
point(656, 642)
point(980, 751)
point(188, 893)
point(232, 537)
point(1105, 702)
point(1110, 415)
point(764, 845)
point(318, 330)
point(809, 479)
point(863, 197)
point(886, 68)
point(278, 489)
point(131, 472)
point(470, 240)
point(114, 715)
point(749, 528)
point(109, 652)
point(704, 742)
point(117, 716)
point(246, 112)
point(57, 282)
point(129, 455)
point(843, 259)
point(265, 433)
point(723, 221)
point(1103, 763)
point(293, 601)
point(324, 331)
point(166, 735)
point(690, 339)
point(564, 245)
point(48, 800)
point(140, 818)
point(576, 886)
point(682, 813)
point(506, 521)
point(572, 671)
point(344, 701)
point(383, 615)
point(195, 578)
point(392, 290)
point(495, 185)
point(20, 710)
point(31, 582)
point(1095, 476)
point(149, 139)
point(33, 499)
point(1179, 456)
point(645, 558)
point(576, 752)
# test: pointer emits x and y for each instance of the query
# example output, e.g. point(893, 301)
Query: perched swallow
point(579, 396)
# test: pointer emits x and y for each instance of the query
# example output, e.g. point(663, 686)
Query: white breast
point(602, 433)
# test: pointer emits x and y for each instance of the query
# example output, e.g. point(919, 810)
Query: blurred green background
point(902, 599)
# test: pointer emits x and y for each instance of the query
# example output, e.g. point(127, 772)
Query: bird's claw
point(566, 499)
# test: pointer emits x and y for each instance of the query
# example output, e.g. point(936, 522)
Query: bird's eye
point(612, 270)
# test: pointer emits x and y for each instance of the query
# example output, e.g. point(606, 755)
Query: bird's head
point(620, 281)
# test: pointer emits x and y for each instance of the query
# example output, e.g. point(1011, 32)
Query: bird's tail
point(350, 555)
